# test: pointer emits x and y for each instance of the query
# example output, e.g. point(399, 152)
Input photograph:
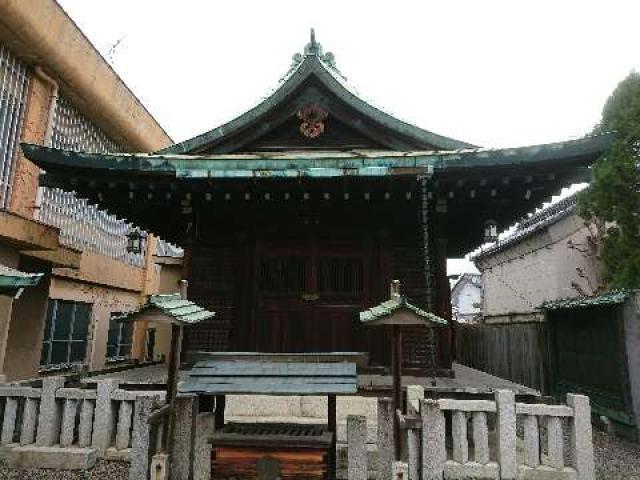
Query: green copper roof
point(322, 67)
point(313, 164)
point(11, 279)
point(385, 309)
point(180, 311)
point(612, 297)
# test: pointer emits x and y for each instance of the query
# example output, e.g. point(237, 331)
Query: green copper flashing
point(312, 164)
point(612, 297)
point(180, 311)
point(386, 309)
point(12, 280)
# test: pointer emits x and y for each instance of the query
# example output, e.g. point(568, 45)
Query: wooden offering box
point(287, 451)
point(267, 450)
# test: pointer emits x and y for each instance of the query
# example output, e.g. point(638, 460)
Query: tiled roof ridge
point(529, 226)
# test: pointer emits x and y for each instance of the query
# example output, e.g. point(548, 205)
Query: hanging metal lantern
point(135, 241)
point(490, 231)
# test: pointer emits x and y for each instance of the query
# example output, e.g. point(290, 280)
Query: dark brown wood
point(396, 366)
point(172, 382)
point(333, 428)
point(218, 418)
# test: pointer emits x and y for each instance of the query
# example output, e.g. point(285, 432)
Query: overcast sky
point(493, 73)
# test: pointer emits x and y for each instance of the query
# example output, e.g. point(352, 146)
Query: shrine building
point(297, 215)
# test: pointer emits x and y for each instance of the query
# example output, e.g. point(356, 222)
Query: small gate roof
point(271, 378)
point(12, 280)
point(612, 297)
point(170, 309)
point(381, 314)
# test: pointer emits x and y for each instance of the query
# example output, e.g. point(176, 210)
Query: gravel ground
point(102, 470)
point(616, 458)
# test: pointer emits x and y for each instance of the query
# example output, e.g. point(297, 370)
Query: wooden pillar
point(332, 427)
point(396, 366)
point(218, 422)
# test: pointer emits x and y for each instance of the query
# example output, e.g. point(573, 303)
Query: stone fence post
point(434, 452)
point(141, 438)
point(185, 413)
point(104, 416)
point(415, 394)
point(50, 414)
point(506, 433)
point(581, 437)
point(202, 456)
point(385, 438)
point(357, 447)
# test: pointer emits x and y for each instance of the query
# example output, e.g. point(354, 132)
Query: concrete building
point(549, 257)
point(56, 90)
point(466, 298)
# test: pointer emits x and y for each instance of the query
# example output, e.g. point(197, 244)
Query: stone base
point(57, 458)
point(119, 455)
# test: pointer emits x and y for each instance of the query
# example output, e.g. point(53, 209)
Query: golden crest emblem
point(313, 120)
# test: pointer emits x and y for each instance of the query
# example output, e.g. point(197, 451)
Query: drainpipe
point(48, 132)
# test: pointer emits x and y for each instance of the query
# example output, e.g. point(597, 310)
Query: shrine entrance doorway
point(308, 295)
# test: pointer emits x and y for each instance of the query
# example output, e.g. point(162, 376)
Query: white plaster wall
point(467, 300)
point(539, 269)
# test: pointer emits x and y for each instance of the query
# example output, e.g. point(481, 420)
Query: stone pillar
point(68, 422)
point(86, 423)
point(124, 425)
point(357, 447)
point(434, 452)
point(185, 413)
point(415, 394)
point(29, 419)
point(581, 437)
point(50, 412)
point(202, 453)
point(9, 422)
point(105, 416)
point(141, 438)
point(385, 438)
point(506, 433)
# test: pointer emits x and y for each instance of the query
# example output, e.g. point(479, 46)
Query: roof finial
point(313, 47)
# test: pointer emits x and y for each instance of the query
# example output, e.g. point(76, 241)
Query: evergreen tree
point(612, 201)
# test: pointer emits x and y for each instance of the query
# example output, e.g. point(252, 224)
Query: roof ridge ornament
point(314, 49)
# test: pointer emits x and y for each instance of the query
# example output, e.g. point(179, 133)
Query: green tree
point(612, 201)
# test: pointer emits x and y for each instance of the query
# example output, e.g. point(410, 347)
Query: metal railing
point(14, 80)
point(84, 226)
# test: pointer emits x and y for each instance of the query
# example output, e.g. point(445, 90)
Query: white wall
point(538, 269)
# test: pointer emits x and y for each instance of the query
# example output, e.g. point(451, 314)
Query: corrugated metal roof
point(396, 304)
point(179, 310)
point(11, 278)
point(612, 297)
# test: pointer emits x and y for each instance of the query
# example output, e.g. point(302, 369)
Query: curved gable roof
point(322, 67)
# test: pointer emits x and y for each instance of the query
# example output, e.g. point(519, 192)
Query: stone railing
point(58, 427)
point(441, 439)
point(435, 447)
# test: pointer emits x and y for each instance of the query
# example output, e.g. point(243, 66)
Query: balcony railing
point(85, 227)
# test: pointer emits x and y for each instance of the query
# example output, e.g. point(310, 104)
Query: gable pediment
point(314, 79)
